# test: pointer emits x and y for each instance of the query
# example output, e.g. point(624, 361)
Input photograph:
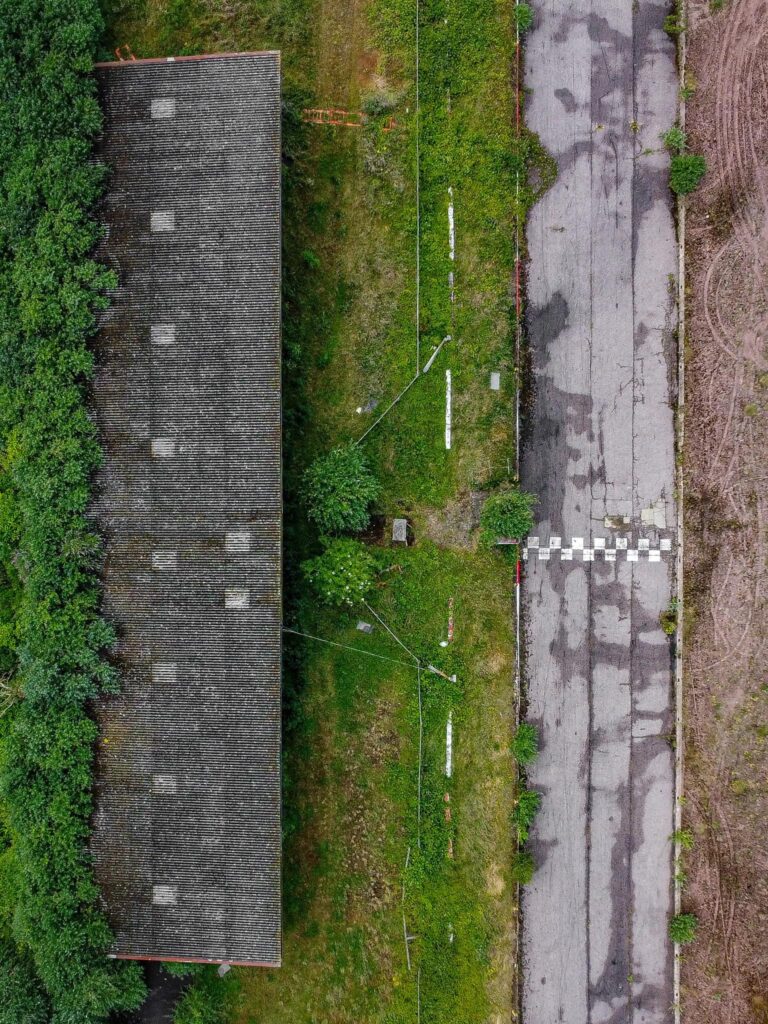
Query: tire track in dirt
point(726, 484)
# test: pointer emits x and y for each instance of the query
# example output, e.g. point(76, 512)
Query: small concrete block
point(163, 107)
point(555, 543)
point(162, 220)
point(237, 542)
point(165, 895)
point(165, 784)
point(400, 531)
point(577, 543)
point(162, 334)
point(598, 543)
point(224, 969)
point(610, 554)
point(163, 447)
point(666, 544)
point(364, 627)
point(566, 554)
point(589, 554)
point(643, 544)
point(621, 543)
point(533, 542)
point(543, 554)
point(495, 380)
point(164, 672)
point(632, 555)
point(654, 555)
point(237, 598)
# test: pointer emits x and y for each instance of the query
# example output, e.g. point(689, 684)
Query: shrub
point(525, 743)
point(686, 172)
point(684, 836)
point(524, 813)
point(674, 139)
point(523, 16)
point(523, 867)
point(668, 618)
point(507, 514)
point(343, 574)
point(338, 490)
point(682, 928)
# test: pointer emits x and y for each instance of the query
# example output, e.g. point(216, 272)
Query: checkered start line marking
point(599, 546)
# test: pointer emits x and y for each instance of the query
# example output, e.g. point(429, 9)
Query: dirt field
point(725, 971)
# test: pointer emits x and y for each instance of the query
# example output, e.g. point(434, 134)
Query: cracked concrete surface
point(600, 443)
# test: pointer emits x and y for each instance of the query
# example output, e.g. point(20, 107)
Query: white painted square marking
point(577, 543)
point(162, 220)
point(163, 447)
point(237, 542)
point(543, 554)
point(610, 554)
point(163, 671)
point(165, 560)
point(589, 554)
point(162, 334)
point(643, 544)
point(163, 107)
point(654, 555)
point(533, 542)
point(598, 543)
point(666, 544)
point(632, 555)
point(165, 895)
point(621, 543)
point(566, 555)
point(555, 543)
point(237, 598)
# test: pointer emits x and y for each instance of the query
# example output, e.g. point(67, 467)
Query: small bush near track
point(682, 928)
point(525, 743)
point(685, 173)
point(507, 514)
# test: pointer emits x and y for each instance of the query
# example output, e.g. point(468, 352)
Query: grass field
point(351, 726)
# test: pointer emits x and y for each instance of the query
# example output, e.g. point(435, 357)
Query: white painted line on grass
point(448, 409)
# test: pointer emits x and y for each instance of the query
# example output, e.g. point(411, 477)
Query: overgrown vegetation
point(682, 928)
point(53, 639)
point(668, 618)
point(507, 514)
point(686, 169)
point(525, 743)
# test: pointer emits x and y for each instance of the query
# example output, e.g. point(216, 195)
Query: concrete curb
point(679, 752)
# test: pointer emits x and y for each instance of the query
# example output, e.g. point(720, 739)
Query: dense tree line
point(54, 937)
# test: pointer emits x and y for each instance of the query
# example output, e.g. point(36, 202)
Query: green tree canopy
point(343, 574)
point(339, 489)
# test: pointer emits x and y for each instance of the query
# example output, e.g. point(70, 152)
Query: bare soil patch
point(725, 972)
